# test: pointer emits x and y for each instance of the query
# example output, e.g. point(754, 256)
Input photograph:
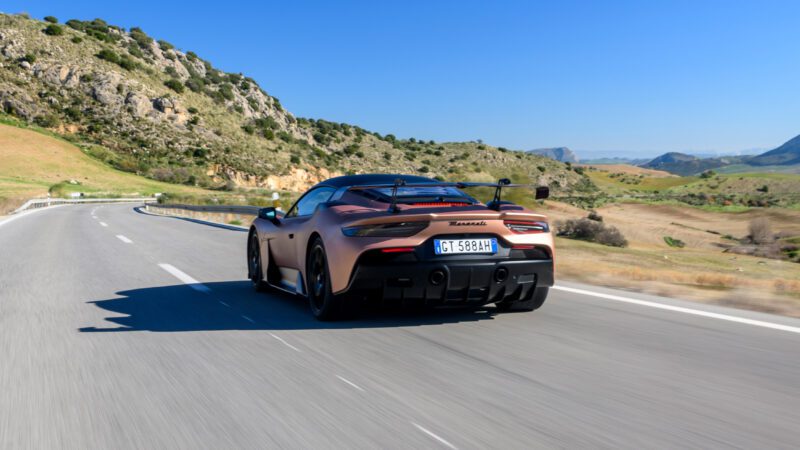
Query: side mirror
point(542, 192)
point(268, 213)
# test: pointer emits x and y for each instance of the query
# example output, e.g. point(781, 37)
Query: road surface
point(120, 329)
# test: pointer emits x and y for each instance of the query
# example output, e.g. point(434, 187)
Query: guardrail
point(45, 202)
point(230, 209)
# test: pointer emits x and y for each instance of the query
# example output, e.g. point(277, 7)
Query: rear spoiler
point(542, 192)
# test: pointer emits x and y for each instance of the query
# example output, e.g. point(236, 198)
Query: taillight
point(397, 229)
point(526, 227)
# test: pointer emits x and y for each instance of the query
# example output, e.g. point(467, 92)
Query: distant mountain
point(563, 154)
point(608, 161)
point(788, 153)
point(685, 165)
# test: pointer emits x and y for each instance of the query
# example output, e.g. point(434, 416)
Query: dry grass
point(700, 271)
point(31, 162)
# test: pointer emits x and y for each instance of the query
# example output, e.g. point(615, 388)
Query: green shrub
point(269, 134)
point(424, 169)
point(191, 56)
point(53, 30)
point(76, 39)
point(295, 159)
point(141, 38)
point(108, 55)
point(192, 110)
point(134, 50)
point(195, 84)
point(75, 24)
point(29, 57)
point(47, 121)
point(127, 63)
point(226, 89)
point(164, 45)
point(175, 85)
point(50, 19)
point(169, 70)
point(249, 129)
point(672, 242)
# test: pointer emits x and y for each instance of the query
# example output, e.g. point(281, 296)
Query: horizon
point(659, 79)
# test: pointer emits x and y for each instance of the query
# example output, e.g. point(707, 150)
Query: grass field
point(33, 164)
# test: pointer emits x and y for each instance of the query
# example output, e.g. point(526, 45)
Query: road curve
point(125, 330)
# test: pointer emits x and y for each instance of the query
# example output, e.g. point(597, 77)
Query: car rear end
point(449, 256)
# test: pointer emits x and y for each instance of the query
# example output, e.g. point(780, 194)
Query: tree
point(50, 19)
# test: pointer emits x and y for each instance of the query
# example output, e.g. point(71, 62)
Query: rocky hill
point(146, 107)
point(563, 154)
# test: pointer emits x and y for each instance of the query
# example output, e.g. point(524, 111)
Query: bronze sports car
point(404, 239)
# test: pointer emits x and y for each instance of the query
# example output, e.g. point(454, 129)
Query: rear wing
point(542, 192)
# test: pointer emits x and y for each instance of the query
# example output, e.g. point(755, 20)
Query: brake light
point(396, 229)
point(397, 250)
point(526, 226)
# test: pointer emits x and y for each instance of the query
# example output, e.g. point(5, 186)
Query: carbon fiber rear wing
point(542, 192)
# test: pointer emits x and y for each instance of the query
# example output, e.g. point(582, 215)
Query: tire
point(324, 304)
point(535, 302)
point(254, 264)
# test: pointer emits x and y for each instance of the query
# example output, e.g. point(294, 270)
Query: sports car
point(403, 239)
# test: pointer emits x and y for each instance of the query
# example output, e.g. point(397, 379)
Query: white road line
point(189, 281)
point(248, 319)
point(224, 304)
point(696, 312)
point(103, 224)
point(285, 343)
point(350, 383)
point(124, 239)
point(433, 435)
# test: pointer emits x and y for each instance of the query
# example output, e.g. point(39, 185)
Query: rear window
point(421, 194)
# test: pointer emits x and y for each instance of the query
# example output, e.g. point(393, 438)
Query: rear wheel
point(535, 302)
point(255, 269)
point(324, 304)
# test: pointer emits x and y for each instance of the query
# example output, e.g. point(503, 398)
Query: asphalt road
point(103, 344)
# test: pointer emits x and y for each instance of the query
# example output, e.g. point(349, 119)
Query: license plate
point(461, 246)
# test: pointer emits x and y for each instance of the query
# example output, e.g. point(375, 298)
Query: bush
point(672, 242)
point(50, 19)
point(295, 159)
point(593, 215)
point(195, 84)
point(108, 55)
point(192, 110)
point(76, 39)
point(53, 30)
point(29, 57)
point(707, 174)
point(47, 121)
point(761, 231)
point(175, 85)
point(141, 37)
point(126, 63)
point(164, 45)
point(592, 231)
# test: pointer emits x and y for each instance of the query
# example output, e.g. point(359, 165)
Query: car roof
point(373, 178)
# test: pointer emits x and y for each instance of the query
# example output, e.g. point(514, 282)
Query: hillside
point(148, 108)
point(33, 164)
point(786, 154)
point(563, 154)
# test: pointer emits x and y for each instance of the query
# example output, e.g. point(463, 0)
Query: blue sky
point(633, 78)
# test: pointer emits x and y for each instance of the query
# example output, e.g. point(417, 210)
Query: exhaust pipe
point(436, 277)
point(501, 274)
